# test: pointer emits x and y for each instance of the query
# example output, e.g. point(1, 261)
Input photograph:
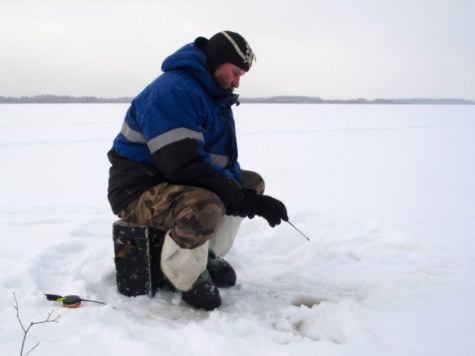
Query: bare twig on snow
point(49, 319)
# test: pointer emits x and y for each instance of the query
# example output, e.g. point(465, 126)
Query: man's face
point(227, 76)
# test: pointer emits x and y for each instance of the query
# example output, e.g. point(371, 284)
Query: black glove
point(269, 208)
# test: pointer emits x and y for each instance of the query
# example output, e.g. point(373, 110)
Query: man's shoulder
point(169, 85)
point(177, 80)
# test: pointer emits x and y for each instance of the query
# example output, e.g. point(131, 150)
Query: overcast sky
point(333, 49)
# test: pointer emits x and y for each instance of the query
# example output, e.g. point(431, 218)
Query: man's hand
point(273, 210)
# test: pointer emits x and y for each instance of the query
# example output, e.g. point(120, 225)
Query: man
point(175, 166)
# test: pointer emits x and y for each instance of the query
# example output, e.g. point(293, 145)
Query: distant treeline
point(317, 100)
point(60, 99)
point(55, 99)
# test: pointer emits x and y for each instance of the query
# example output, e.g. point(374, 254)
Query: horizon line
point(287, 99)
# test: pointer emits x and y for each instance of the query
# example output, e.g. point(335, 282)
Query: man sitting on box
point(175, 166)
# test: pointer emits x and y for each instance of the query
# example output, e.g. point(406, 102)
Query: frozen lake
point(386, 193)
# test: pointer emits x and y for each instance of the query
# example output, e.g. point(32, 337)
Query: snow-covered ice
point(386, 194)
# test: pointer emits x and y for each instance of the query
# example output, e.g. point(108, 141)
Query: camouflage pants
point(190, 213)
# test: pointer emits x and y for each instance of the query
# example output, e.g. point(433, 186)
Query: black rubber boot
point(221, 271)
point(204, 294)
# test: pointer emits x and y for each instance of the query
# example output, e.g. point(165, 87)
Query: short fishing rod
point(70, 301)
point(301, 233)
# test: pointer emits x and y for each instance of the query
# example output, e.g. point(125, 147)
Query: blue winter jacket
point(179, 129)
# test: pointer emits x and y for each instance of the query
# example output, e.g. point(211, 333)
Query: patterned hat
point(228, 47)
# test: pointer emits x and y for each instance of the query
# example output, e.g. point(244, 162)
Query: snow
point(385, 194)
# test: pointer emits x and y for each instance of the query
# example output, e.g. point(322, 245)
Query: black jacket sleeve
point(181, 163)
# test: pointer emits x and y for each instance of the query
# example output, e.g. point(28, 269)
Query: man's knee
point(197, 218)
point(253, 180)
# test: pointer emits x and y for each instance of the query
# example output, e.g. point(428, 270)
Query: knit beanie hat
point(226, 47)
